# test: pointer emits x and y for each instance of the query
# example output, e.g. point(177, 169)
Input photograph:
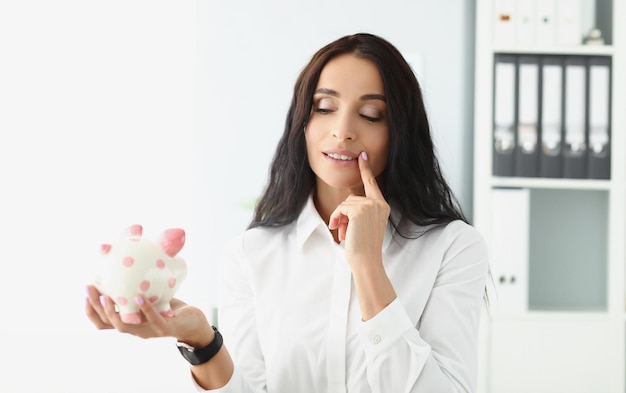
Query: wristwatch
point(198, 356)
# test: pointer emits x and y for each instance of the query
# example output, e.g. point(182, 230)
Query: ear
point(172, 241)
point(134, 230)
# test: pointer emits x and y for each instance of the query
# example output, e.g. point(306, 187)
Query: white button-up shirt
point(290, 316)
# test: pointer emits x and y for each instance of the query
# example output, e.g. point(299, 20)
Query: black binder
point(527, 119)
point(575, 118)
point(599, 118)
point(551, 115)
point(504, 118)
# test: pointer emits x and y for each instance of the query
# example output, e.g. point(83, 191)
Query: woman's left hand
point(189, 323)
point(361, 220)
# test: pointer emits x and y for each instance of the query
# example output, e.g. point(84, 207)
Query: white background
point(165, 113)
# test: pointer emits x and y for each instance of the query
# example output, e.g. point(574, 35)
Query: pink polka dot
point(128, 261)
point(145, 285)
point(153, 299)
point(122, 301)
point(171, 282)
point(160, 264)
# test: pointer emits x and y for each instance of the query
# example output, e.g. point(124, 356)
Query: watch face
point(188, 353)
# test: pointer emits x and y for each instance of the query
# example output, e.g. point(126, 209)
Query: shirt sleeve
point(237, 325)
point(440, 354)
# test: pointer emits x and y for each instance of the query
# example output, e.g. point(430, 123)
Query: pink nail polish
point(103, 301)
point(139, 300)
point(364, 155)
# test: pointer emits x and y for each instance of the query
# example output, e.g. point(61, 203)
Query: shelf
point(546, 183)
point(561, 316)
point(596, 50)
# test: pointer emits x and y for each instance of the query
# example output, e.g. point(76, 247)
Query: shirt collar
point(309, 221)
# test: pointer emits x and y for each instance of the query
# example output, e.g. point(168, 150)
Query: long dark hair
point(412, 181)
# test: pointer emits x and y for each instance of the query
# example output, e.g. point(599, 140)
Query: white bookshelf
point(600, 50)
point(572, 338)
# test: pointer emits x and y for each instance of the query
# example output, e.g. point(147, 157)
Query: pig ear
point(105, 248)
point(134, 230)
point(172, 241)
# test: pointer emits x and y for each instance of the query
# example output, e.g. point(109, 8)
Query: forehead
point(350, 74)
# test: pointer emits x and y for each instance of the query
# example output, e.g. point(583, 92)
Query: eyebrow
point(364, 97)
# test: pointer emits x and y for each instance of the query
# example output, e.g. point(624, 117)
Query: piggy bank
point(138, 266)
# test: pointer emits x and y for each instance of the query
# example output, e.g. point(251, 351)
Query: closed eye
point(322, 110)
point(371, 119)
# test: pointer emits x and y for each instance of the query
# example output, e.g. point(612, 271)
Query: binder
point(599, 130)
point(525, 26)
point(575, 147)
point(551, 129)
point(527, 147)
point(569, 29)
point(509, 243)
point(505, 79)
point(545, 11)
point(504, 23)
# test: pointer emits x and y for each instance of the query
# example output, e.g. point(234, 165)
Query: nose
point(345, 127)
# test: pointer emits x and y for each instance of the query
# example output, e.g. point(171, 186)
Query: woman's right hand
point(188, 325)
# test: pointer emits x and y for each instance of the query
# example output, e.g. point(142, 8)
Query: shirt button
point(376, 339)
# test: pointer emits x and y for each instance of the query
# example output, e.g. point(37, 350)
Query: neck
point(327, 199)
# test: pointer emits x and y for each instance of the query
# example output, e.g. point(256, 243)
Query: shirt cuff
point(382, 331)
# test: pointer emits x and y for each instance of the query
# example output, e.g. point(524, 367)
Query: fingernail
point(364, 155)
point(139, 300)
point(103, 301)
point(87, 291)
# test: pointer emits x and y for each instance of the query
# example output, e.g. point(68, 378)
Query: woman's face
point(349, 116)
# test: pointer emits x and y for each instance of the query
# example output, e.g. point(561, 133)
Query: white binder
point(505, 22)
point(509, 242)
point(526, 23)
point(569, 30)
point(545, 22)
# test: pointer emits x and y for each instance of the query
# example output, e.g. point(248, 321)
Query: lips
point(341, 157)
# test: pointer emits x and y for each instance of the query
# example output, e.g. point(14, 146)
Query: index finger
point(369, 180)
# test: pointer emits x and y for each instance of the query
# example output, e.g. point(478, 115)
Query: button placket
point(337, 330)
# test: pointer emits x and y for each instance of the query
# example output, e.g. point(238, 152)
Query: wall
point(96, 133)
point(166, 114)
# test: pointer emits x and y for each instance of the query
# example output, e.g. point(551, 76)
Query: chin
point(343, 185)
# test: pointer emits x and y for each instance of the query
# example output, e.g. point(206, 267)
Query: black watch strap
point(198, 356)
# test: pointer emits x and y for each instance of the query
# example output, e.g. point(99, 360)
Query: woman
point(358, 272)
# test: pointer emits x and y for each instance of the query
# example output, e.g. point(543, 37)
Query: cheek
point(311, 145)
point(308, 140)
point(380, 164)
point(380, 150)
point(312, 135)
